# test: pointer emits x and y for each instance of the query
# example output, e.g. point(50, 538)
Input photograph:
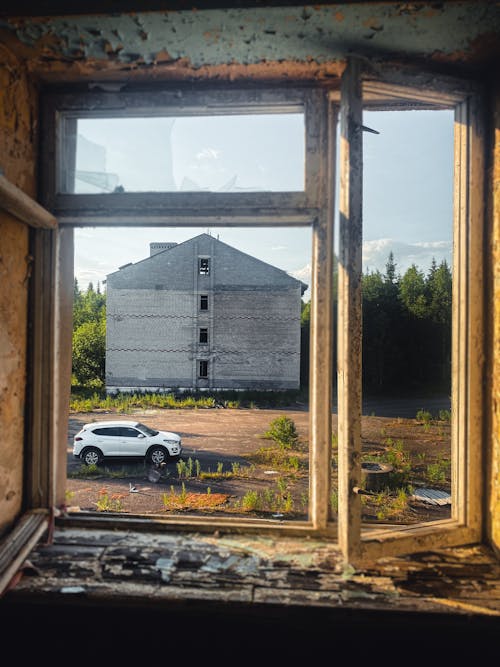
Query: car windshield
point(147, 430)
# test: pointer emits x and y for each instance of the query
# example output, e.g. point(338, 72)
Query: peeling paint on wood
point(241, 36)
point(97, 564)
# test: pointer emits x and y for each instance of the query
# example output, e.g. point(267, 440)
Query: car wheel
point(91, 456)
point(157, 454)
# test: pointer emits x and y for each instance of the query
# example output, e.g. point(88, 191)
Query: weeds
point(109, 503)
point(86, 471)
point(424, 416)
point(251, 501)
point(445, 416)
point(283, 431)
point(83, 400)
point(277, 459)
point(388, 506)
point(438, 472)
point(272, 500)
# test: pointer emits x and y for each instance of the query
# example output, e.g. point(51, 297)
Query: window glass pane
point(137, 335)
point(223, 153)
point(406, 286)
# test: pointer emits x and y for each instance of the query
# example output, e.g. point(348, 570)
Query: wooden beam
point(320, 392)
point(349, 311)
point(16, 202)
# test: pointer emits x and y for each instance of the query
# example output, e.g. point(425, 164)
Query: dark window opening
point(203, 368)
point(204, 302)
point(203, 335)
point(204, 266)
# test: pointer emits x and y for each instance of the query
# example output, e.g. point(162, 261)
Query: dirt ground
point(226, 440)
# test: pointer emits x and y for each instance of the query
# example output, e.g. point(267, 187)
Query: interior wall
point(494, 370)
point(17, 164)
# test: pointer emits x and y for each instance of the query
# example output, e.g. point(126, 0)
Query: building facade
point(202, 315)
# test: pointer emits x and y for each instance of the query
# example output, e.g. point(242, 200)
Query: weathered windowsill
point(126, 594)
point(84, 564)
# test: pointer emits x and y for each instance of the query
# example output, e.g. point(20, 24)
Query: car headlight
point(172, 442)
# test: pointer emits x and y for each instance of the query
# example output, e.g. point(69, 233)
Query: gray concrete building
point(202, 315)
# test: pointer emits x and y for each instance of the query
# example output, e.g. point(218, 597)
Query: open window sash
point(359, 88)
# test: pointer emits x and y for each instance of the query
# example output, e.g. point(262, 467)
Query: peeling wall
point(17, 125)
point(313, 36)
point(494, 505)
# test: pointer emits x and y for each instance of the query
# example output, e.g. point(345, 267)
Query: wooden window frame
point(391, 89)
point(38, 479)
point(315, 208)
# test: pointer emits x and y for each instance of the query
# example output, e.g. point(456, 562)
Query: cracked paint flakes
point(224, 36)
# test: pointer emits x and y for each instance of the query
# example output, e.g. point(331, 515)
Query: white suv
point(100, 440)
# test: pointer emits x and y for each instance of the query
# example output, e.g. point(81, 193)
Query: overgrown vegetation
point(87, 399)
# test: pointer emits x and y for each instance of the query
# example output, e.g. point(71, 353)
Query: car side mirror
point(141, 435)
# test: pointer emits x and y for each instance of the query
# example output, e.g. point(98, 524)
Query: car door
point(132, 442)
point(108, 439)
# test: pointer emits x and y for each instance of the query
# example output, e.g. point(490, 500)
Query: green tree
point(88, 306)
point(89, 353)
point(413, 292)
point(439, 287)
point(89, 336)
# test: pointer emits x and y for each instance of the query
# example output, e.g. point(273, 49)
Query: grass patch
point(279, 459)
point(85, 400)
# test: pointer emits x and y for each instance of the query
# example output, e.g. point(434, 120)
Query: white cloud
point(208, 154)
point(376, 253)
point(303, 274)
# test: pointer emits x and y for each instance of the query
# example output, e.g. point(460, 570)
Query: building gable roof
point(173, 268)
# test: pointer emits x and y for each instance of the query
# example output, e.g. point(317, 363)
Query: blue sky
point(407, 187)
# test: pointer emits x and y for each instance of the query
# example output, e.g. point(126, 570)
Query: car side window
point(109, 431)
point(129, 432)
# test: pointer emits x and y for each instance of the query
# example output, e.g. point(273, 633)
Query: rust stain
point(482, 50)
point(339, 17)
point(163, 66)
